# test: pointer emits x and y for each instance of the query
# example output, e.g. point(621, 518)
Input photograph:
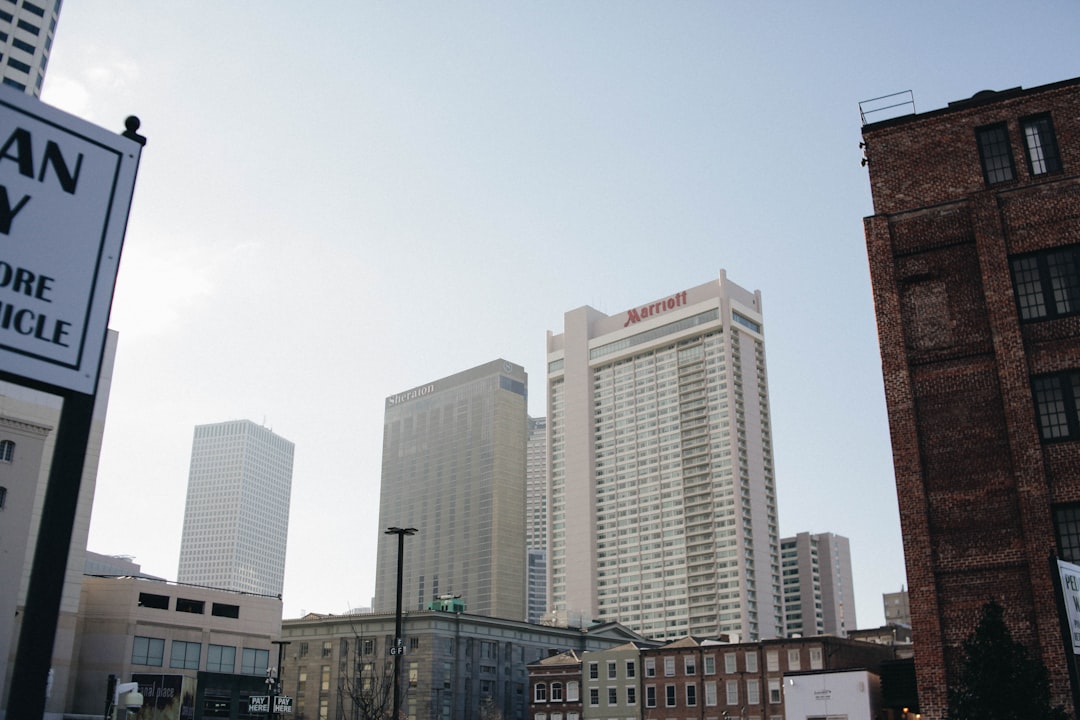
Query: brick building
point(555, 687)
point(974, 250)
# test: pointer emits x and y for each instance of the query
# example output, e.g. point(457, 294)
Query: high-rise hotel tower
point(663, 500)
point(236, 521)
point(27, 29)
point(453, 467)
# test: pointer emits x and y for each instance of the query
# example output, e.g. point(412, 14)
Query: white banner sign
point(259, 704)
point(65, 191)
point(1070, 589)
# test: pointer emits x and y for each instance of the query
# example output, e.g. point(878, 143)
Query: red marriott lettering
point(647, 311)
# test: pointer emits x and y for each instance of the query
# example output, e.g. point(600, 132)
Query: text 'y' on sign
point(65, 192)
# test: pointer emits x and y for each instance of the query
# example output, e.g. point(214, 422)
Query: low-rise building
point(454, 665)
point(612, 682)
point(555, 687)
point(131, 626)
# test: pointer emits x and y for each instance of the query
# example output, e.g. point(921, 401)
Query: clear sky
point(343, 200)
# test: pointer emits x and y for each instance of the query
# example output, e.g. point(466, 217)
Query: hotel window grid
point(185, 655)
point(1047, 283)
point(1056, 399)
point(148, 651)
point(1040, 145)
point(995, 154)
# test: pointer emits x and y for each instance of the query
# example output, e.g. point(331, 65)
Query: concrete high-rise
point(236, 520)
point(974, 250)
point(26, 36)
point(819, 597)
point(453, 467)
point(663, 499)
point(536, 518)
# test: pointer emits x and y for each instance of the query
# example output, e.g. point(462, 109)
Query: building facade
point(611, 682)
point(819, 596)
point(236, 518)
point(27, 30)
point(974, 253)
point(897, 607)
point(28, 422)
point(536, 518)
point(453, 467)
point(663, 497)
point(455, 665)
point(139, 628)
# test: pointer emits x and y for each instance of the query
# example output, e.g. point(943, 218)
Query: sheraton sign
point(647, 311)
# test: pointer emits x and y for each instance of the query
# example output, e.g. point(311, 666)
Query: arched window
point(556, 692)
point(540, 692)
point(7, 450)
point(572, 692)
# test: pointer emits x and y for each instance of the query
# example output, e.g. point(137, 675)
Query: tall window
point(669, 666)
point(185, 655)
point(691, 695)
point(573, 693)
point(540, 692)
point(1040, 145)
point(220, 658)
point(669, 695)
point(594, 697)
point(556, 692)
point(650, 696)
point(753, 692)
point(1056, 398)
point(732, 692)
point(1067, 529)
point(1047, 283)
point(594, 671)
point(994, 154)
point(255, 661)
point(7, 450)
point(148, 651)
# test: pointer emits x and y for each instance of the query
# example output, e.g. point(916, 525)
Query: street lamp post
point(399, 646)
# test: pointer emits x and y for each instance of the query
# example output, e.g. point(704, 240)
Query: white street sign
point(65, 191)
point(259, 704)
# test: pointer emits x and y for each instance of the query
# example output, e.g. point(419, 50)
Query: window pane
point(1028, 286)
point(995, 154)
point(1050, 407)
point(1064, 281)
point(1041, 146)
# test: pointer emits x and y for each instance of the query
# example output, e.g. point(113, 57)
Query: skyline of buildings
point(27, 29)
point(236, 516)
point(974, 255)
point(454, 468)
point(662, 508)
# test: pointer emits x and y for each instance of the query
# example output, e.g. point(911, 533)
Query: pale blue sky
point(340, 201)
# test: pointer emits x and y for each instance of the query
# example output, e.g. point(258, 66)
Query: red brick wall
point(974, 484)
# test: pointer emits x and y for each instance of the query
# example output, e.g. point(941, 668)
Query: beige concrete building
point(663, 497)
point(28, 420)
point(453, 467)
point(136, 626)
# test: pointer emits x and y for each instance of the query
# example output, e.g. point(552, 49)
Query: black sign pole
point(33, 657)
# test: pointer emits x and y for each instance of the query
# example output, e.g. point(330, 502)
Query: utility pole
point(399, 646)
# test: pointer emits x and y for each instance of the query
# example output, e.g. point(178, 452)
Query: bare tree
point(365, 682)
